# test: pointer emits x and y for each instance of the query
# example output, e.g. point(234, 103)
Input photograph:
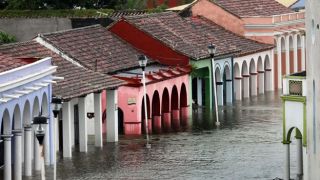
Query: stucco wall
point(218, 15)
point(28, 28)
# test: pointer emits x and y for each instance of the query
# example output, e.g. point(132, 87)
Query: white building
point(25, 92)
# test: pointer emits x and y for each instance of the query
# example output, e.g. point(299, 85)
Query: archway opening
point(183, 105)
point(261, 74)
point(253, 78)
point(219, 86)
point(227, 85)
point(201, 87)
point(267, 75)
point(165, 108)
point(143, 121)
point(291, 55)
point(299, 151)
point(156, 116)
point(175, 113)
point(237, 82)
point(245, 80)
point(5, 129)
point(120, 121)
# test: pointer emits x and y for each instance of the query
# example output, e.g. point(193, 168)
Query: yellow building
point(287, 3)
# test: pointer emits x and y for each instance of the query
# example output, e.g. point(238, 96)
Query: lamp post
point(56, 106)
point(212, 51)
point(143, 63)
point(40, 134)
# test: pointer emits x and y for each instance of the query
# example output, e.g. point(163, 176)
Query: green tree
point(6, 38)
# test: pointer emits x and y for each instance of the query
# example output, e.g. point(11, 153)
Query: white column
point(303, 52)
point(287, 55)
point(66, 118)
point(7, 156)
point(220, 93)
point(98, 120)
point(246, 92)
point(83, 130)
point(268, 83)
point(299, 158)
point(37, 158)
point(287, 162)
point(253, 81)
point(199, 91)
point(279, 52)
point(295, 52)
point(112, 116)
point(17, 154)
point(237, 88)
point(261, 82)
point(27, 150)
point(229, 90)
point(46, 145)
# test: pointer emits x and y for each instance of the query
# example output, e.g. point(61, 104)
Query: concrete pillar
point(98, 120)
point(268, 81)
point(184, 116)
point(46, 145)
point(303, 52)
point(37, 158)
point(56, 134)
point(287, 162)
point(112, 116)
point(238, 88)
point(295, 52)
point(166, 118)
point(175, 119)
point(150, 126)
point(279, 53)
point(299, 159)
point(261, 82)
point(287, 54)
point(27, 150)
point(83, 121)
point(17, 154)
point(66, 120)
point(220, 93)
point(229, 91)
point(253, 82)
point(199, 91)
point(157, 124)
point(7, 157)
point(246, 86)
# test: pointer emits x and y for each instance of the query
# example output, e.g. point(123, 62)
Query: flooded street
point(247, 145)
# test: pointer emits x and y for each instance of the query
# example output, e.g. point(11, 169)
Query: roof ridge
point(69, 30)
point(3, 46)
point(149, 15)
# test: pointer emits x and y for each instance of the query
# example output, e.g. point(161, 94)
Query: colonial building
point(25, 92)
point(266, 21)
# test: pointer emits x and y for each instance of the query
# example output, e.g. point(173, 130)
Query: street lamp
point(56, 106)
point(212, 50)
point(142, 59)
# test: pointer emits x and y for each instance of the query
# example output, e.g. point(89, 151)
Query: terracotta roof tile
point(244, 8)
point(77, 81)
point(175, 32)
point(246, 46)
point(7, 63)
point(95, 48)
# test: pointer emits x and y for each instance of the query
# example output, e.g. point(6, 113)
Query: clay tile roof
point(118, 14)
point(245, 8)
point(95, 48)
point(78, 81)
point(175, 32)
point(246, 46)
point(7, 63)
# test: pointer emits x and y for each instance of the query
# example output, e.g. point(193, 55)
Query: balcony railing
point(295, 84)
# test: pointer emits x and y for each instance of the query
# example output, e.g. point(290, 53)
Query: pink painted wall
point(132, 113)
point(218, 15)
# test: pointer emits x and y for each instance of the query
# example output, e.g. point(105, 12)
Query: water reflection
point(245, 146)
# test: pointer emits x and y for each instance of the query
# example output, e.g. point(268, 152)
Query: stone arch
point(245, 80)
point(165, 108)
point(183, 105)
point(17, 119)
point(6, 122)
point(227, 84)
point(252, 67)
point(156, 116)
point(298, 133)
point(44, 105)
point(291, 54)
point(267, 73)
point(175, 112)
point(283, 56)
point(143, 114)
point(237, 82)
point(299, 52)
point(36, 107)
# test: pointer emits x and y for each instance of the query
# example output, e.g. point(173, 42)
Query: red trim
point(246, 75)
point(253, 73)
point(238, 78)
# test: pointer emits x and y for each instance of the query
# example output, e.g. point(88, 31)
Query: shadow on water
point(245, 146)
